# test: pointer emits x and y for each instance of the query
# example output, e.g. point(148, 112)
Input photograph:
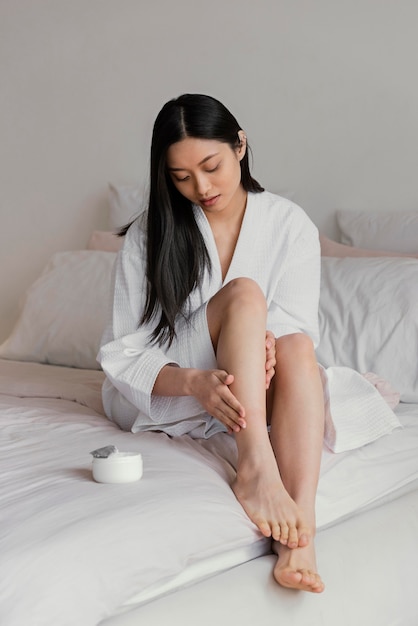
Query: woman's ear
point(242, 147)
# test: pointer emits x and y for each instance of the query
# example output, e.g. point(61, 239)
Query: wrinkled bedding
point(75, 551)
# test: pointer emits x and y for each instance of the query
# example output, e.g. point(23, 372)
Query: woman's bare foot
point(296, 569)
point(267, 503)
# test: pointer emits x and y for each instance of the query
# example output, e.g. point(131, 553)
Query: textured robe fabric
point(278, 247)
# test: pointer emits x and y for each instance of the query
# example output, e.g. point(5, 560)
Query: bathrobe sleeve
point(131, 363)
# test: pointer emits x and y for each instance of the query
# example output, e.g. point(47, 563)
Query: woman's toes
point(296, 569)
point(311, 580)
point(319, 586)
point(308, 578)
point(293, 539)
point(304, 537)
point(300, 579)
point(264, 528)
point(276, 532)
point(284, 534)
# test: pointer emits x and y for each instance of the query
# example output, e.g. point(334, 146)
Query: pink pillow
point(332, 248)
point(104, 240)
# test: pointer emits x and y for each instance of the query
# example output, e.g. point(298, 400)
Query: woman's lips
point(209, 201)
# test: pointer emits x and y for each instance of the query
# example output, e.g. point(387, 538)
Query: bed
point(176, 547)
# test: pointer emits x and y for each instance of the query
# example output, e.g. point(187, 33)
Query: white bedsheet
point(75, 552)
point(369, 581)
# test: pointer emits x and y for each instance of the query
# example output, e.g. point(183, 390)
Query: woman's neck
point(226, 228)
point(231, 216)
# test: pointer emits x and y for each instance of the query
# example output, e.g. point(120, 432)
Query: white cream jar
point(118, 467)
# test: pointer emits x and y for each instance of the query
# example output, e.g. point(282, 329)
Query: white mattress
point(77, 552)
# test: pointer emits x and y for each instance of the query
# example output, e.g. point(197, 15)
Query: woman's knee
point(244, 295)
point(240, 298)
point(295, 345)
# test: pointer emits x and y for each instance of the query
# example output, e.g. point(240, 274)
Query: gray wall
point(326, 91)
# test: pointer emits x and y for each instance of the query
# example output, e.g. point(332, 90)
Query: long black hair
point(176, 253)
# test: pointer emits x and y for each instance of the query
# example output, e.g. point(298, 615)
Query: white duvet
point(75, 552)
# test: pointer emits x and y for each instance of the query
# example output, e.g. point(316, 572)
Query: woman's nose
point(202, 185)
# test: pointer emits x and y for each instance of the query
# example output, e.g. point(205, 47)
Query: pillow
point(104, 240)
point(125, 202)
point(396, 231)
point(64, 312)
point(332, 248)
point(368, 314)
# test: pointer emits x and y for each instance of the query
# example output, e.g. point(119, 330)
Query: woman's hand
point(211, 389)
point(270, 357)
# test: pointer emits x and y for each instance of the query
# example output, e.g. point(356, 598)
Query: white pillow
point(368, 317)
point(396, 231)
point(125, 202)
point(105, 241)
point(64, 312)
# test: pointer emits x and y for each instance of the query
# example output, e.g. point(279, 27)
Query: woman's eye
point(213, 169)
point(181, 180)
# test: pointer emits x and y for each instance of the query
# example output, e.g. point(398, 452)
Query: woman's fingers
point(230, 410)
point(211, 388)
point(270, 357)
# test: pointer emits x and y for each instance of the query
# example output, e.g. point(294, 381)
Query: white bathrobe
point(278, 247)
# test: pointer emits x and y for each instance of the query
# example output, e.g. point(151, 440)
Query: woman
point(215, 322)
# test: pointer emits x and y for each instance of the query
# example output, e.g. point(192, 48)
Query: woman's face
point(208, 173)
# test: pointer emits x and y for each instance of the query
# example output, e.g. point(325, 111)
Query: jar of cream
point(118, 467)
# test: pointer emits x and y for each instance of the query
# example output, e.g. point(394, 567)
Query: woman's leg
point(297, 426)
point(237, 322)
